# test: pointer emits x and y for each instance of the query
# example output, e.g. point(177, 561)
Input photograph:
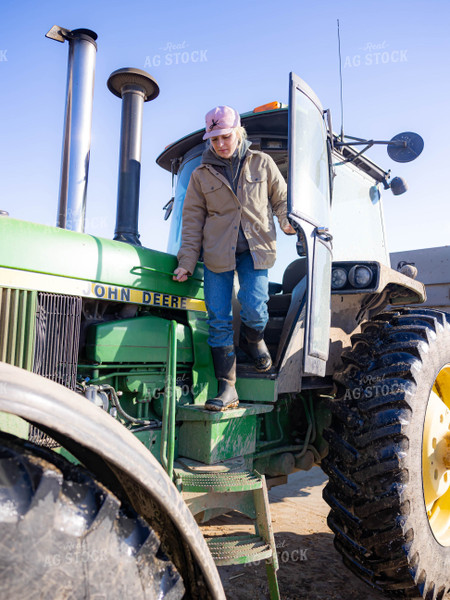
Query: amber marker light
point(269, 106)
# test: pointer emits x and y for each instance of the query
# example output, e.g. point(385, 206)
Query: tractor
point(109, 461)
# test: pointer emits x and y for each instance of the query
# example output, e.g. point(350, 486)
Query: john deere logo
point(121, 294)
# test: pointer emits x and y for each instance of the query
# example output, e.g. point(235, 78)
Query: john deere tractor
point(108, 460)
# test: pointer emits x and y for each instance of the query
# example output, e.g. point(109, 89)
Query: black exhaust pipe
point(135, 87)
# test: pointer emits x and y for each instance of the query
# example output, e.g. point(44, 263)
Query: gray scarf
point(229, 167)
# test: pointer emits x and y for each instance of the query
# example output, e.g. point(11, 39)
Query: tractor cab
point(266, 128)
point(335, 206)
point(309, 267)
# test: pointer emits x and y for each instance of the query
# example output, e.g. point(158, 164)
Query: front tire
point(64, 535)
point(389, 459)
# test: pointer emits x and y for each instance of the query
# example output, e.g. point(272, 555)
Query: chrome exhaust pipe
point(77, 125)
point(135, 87)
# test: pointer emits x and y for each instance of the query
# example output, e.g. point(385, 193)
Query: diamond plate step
point(238, 549)
point(212, 491)
point(240, 481)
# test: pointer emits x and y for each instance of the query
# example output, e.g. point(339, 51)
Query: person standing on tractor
point(228, 217)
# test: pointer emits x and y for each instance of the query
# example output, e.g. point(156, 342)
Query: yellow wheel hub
point(436, 458)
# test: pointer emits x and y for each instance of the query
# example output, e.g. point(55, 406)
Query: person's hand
point(288, 229)
point(180, 274)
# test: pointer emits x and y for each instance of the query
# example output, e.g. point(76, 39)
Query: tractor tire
point(64, 535)
point(389, 454)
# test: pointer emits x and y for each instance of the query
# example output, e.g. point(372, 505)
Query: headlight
point(338, 278)
point(360, 276)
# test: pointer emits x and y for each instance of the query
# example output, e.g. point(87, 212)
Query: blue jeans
point(253, 296)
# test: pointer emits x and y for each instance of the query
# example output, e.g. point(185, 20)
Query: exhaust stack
point(135, 87)
point(77, 125)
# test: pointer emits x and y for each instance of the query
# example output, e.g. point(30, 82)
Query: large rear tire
point(64, 535)
point(389, 458)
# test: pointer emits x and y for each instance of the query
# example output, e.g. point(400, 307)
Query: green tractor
point(108, 460)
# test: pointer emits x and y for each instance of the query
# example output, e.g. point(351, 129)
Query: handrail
point(169, 405)
point(170, 274)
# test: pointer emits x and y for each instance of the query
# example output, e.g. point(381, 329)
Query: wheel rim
point(436, 457)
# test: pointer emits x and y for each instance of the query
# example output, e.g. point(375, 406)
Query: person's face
point(225, 145)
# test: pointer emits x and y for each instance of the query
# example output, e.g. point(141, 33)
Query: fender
point(91, 431)
point(349, 311)
point(400, 288)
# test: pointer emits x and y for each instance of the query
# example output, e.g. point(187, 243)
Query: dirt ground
point(310, 567)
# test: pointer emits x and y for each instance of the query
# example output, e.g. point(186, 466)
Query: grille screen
point(57, 336)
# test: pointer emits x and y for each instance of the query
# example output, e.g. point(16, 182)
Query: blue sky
point(396, 67)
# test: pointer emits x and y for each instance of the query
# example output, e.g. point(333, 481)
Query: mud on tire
point(375, 488)
point(64, 535)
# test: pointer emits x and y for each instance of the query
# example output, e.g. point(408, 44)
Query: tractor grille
point(17, 311)
point(40, 332)
point(57, 338)
point(56, 346)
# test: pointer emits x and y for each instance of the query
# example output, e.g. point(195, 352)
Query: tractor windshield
point(183, 177)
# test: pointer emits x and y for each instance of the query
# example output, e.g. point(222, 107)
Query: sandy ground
point(310, 567)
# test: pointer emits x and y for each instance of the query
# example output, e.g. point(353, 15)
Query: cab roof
point(265, 126)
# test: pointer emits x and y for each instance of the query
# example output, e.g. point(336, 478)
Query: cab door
point(309, 211)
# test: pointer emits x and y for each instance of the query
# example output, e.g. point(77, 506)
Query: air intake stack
point(135, 87)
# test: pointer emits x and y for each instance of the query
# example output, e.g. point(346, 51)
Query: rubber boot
point(224, 359)
point(256, 348)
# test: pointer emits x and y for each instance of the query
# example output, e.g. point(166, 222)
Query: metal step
point(197, 412)
point(240, 481)
point(238, 549)
point(238, 490)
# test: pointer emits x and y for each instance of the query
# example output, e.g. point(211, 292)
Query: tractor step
point(212, 437)
point(220, 482)
point(238, 549)
point(210, 494)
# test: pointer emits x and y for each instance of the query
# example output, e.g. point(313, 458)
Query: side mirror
point(405, 147)
point(168, 208)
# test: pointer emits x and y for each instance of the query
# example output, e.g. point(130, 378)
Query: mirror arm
point(352, 158)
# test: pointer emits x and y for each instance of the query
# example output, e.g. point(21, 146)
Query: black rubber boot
point(224, 359)
point(255, 346)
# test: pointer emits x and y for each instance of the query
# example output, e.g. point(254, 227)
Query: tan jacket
point(212, 214)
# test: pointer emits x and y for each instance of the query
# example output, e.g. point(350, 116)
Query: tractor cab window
point(190, 162)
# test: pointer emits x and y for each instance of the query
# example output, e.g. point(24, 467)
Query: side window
point(183, 177)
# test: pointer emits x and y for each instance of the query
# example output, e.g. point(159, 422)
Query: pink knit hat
point(220, 121)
